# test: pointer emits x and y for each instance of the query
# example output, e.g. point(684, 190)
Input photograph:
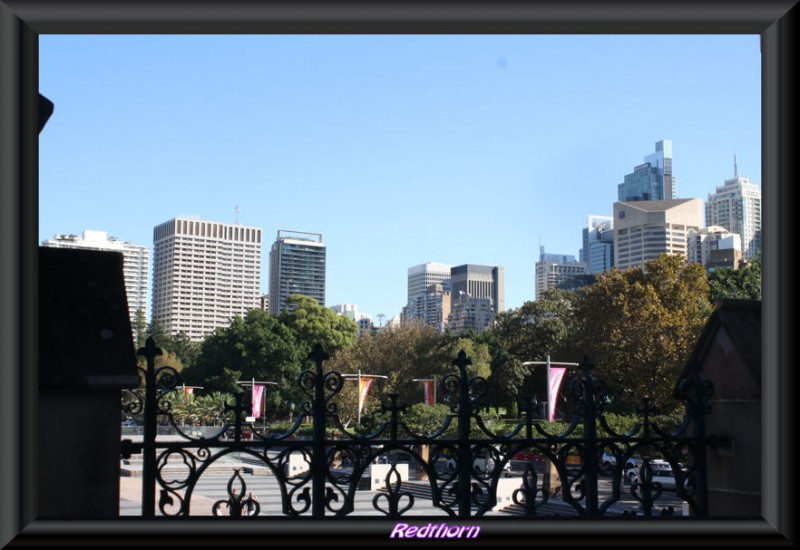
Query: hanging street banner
point(555, 376)
point(258, 400)
point(363, 389)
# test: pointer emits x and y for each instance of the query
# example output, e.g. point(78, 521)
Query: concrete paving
point(212, 488)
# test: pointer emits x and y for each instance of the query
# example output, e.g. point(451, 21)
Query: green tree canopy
point(314, 324)
point(257, 346)
point(530, 333)
point(139, 326)
point(186, 350)
point(405, 353)
point(743, 283)
point(639, 326)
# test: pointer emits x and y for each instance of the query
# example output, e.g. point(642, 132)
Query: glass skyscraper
point(653, 179)
point(296, 266)
point(598, 244)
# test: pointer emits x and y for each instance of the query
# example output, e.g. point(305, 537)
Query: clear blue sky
point(400, 150)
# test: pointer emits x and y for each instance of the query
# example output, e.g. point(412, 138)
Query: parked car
point(662, 474)
point(608, 462)
point(129, 422)
point(481, 465)
point(528, 456)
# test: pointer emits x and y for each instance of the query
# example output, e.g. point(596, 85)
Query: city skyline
point(400, 150)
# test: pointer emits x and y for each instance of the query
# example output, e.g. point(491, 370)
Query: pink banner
point(258, 400)
point(556, 375)
point(365, 383)
point(427, 387)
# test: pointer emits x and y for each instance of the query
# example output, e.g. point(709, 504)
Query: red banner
point(556, 375)
point(258, 400)
point(427, 387)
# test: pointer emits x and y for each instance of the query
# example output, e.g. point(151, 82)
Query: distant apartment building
point(598, 244)
point(651, 180)
point(296, 267)
point(643, 230)
point(715, 247)
point(473, 313)
point(434, 307)
point(477, 295)
point(736, 206)
point(560, 271)
point(420, 279)
point(350, 311)
point(135, 262)
point(204, 274)
point(365, 326)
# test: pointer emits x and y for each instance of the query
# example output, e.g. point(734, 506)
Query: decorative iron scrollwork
point(320, 476)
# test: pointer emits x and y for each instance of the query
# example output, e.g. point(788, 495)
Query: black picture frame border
point(22, 21)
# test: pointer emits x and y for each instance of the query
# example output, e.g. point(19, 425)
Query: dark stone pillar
point(86, 356)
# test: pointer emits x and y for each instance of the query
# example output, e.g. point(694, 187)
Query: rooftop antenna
point(238, 211)
point(735, 167)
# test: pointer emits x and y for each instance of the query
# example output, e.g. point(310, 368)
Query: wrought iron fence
point(462, 475)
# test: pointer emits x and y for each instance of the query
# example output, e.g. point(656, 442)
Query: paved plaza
point(212, 488)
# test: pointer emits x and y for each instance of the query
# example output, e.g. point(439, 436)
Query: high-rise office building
point(204, 274)
point(736, 206)
point(296, 267)
point(652, 180)
point(598, 244)
point(643, 230)
point(477, 295)
point(420, 279)
point(479, 281)
point(559, 271)
point(135, 263)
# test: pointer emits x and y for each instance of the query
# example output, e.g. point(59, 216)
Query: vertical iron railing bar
point(464, 448)
point(318, 476)
point(590, 436)
point(150, 351)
